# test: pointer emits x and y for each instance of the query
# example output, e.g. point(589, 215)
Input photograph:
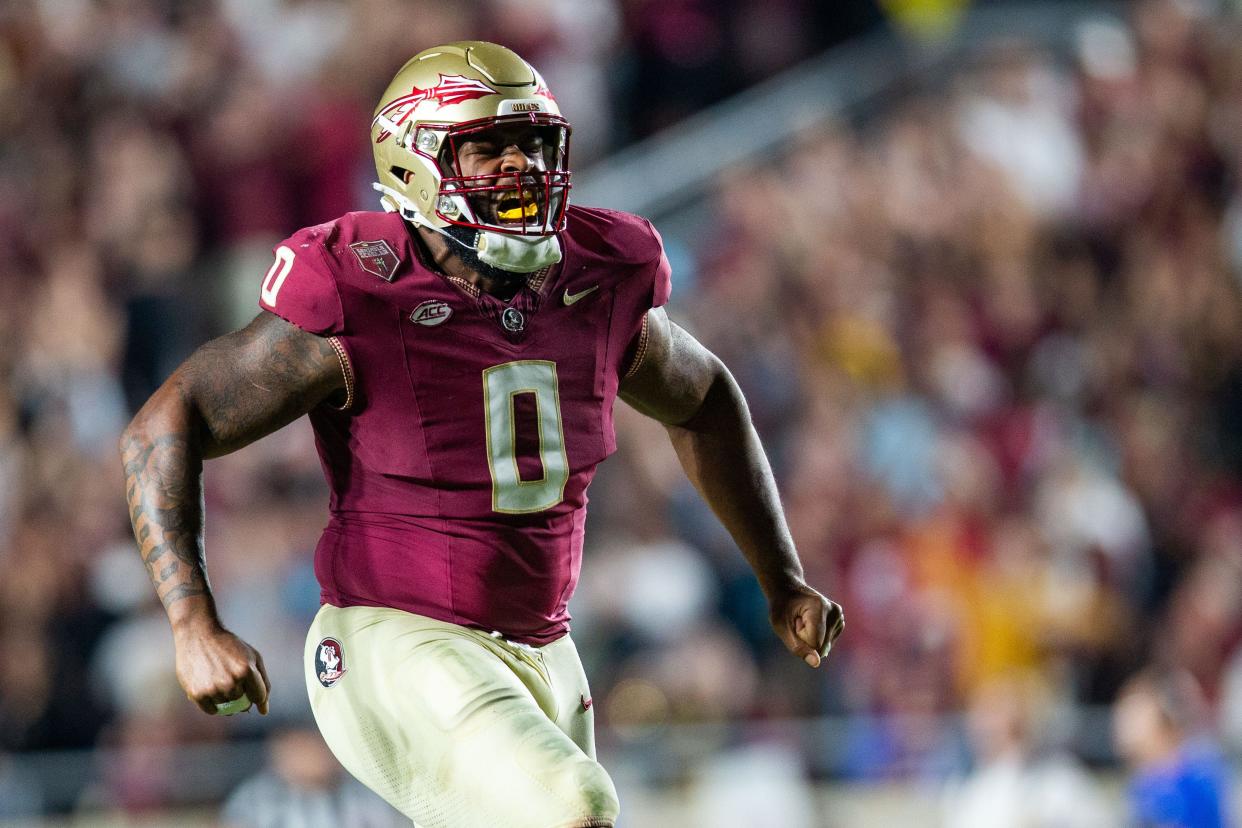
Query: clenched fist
point(214, 666)
point(806, 621)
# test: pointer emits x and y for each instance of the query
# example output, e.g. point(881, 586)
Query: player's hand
point(806, 621)
point(214, 666)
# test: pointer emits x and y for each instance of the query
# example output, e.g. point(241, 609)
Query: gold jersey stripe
point(639, 353)
point(347, 370)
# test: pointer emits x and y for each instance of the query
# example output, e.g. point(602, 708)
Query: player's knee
point(596, 804)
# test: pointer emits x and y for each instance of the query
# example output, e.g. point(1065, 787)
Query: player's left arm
point(687, 388)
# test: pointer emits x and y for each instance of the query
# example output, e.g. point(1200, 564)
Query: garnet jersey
point(458, 473)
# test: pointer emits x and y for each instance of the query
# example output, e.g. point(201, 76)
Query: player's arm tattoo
point(229, 393)
point(166, 512)
point(685, 386)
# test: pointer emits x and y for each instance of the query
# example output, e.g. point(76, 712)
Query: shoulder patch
point(376, 257)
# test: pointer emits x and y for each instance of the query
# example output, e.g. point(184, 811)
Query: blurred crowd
point(993, 338)
point(989, 333)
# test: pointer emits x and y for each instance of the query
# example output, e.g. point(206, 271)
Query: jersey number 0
point(501, 383)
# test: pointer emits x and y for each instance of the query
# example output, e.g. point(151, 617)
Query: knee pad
point(597, 794)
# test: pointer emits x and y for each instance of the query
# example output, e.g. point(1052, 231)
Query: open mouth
point(515, 209)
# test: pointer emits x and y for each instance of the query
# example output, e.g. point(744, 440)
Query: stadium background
point(976, 269)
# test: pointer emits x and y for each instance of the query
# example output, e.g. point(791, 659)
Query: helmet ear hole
point(405, 176)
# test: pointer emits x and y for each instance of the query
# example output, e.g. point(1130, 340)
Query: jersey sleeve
point(650, 289)
point(650, 283)
point(300, 286)
point(661, 279)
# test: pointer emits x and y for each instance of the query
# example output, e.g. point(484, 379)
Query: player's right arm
point(229, 393)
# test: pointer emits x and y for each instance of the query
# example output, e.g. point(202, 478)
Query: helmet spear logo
point(448, 90)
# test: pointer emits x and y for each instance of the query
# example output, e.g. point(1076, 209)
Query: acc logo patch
point(376, 257)
point(329, 662)
point(431, 313)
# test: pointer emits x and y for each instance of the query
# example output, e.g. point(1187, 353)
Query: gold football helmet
point(449, 94)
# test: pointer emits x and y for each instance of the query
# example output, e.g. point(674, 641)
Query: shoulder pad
point(300, 286)
point(623, 238)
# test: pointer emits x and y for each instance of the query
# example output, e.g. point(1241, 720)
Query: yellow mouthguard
point(518, 212)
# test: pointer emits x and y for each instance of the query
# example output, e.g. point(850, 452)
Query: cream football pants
point(457, 728)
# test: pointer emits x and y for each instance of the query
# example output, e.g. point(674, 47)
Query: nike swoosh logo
point(570, 298)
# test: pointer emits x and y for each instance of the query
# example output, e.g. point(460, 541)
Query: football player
point(459, 354)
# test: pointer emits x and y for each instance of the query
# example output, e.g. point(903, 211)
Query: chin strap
point(395, 202)
point(519, 254)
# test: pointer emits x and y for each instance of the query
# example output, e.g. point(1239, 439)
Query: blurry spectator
point(761, 786)
point(304, 787)
point(1021, 123)
point(21, 791)
point(1018, 780)
point(140, 774)
point(1179, 777)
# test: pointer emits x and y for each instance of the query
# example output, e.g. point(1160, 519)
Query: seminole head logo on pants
point(329, 662)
